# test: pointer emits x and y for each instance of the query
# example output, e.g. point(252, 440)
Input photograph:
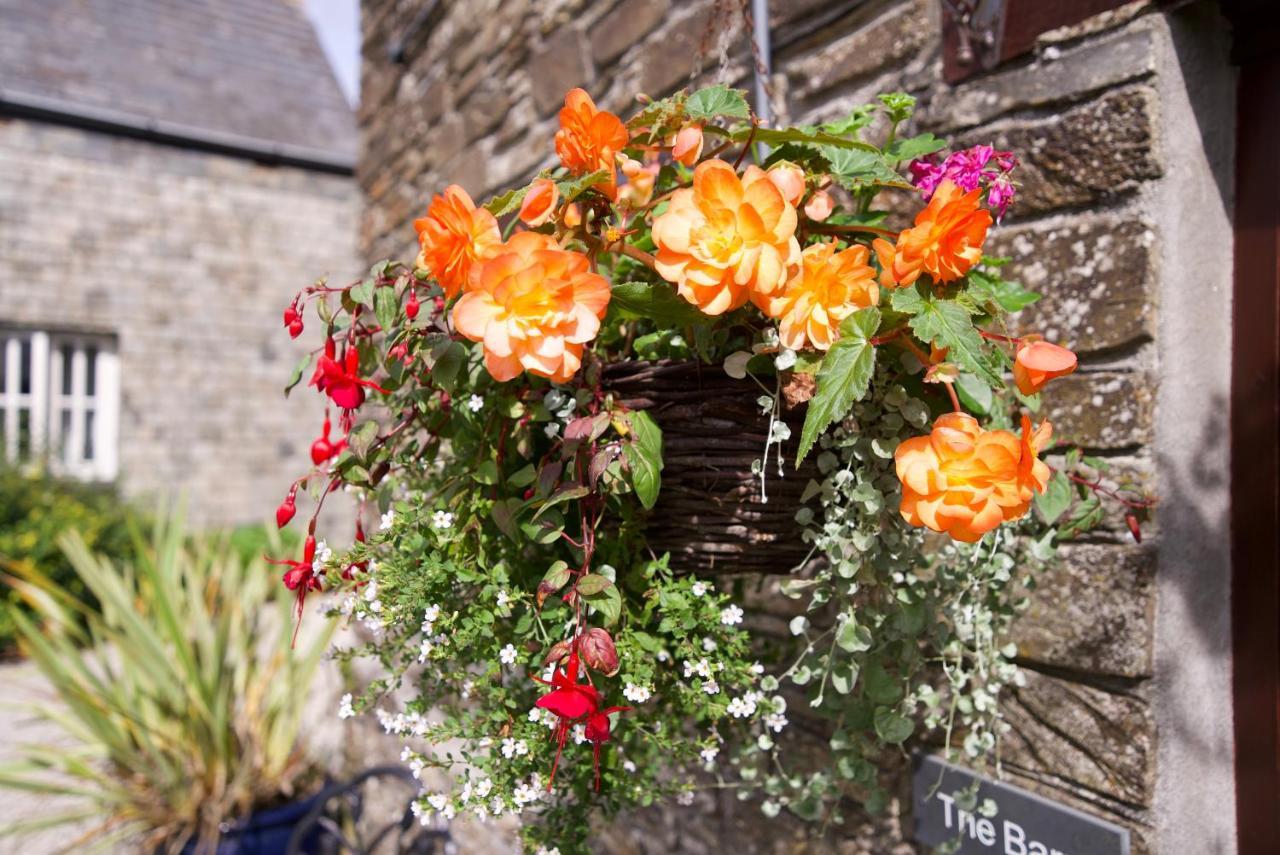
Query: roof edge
point(172, 133)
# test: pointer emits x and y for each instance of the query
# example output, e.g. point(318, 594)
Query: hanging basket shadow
point(710, 515)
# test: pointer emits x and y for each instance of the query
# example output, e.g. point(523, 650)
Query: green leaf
point(386, 306)
point(844, 677)
point(608, 603)
point(448, 364)
point(855, 169)
point(844, 376)
point(486, 473)
point(296, 376)
point(572, 189)
point(974, 394)
point(362, 437)
point(644, 457)
point(716, 101)
point(566, 493)
point(805, 136)
point(946, 324)
point(363, 292)
point(989, 288)
point(505, 203)
point(656, 302)
point(892, 727)
point(880, 686)
point(592, 584)
point(853, 637)
point(1055, 499)
point(913, 147)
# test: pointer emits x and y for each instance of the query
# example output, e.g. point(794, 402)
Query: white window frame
point(46, 400)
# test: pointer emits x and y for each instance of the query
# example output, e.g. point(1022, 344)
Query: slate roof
point(250, 70)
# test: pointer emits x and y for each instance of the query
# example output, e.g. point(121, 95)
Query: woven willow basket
point(709, 514)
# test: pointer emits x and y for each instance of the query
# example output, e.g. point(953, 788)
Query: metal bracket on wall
point(979, 26)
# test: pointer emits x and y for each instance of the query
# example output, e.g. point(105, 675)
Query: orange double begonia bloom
point(539, 204)
point(534, 306)
point(727, 239)
point(945, 241)
point(589, 139)
point(1038, 362)
point(454, 235)
point(964, 481)
point(828, 287)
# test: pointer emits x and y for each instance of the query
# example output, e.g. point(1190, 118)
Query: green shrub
point(35, 509)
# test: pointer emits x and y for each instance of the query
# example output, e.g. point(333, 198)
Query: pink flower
point(980, 166)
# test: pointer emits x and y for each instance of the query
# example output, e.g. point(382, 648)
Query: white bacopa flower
point(636, 694)
point(425, 650)
point(542, 850)
point(552, 430)
point(535, 715)
point(323, 553)
point(442, 519)
point(514, 748)
point(775, 722)
point(509, 654)
point(731, 616)
point(742, 707)
point(388, 520)
point(483, 788)
point(438, 800)
point(579, 734)
point(685, 798)
point(709, 754)
point(699, 589)
point(503, 599)
point(711, 687)
point(628, 766)
point(708, 644)
point(345, 710)
point(475, 403)
point(757, 668)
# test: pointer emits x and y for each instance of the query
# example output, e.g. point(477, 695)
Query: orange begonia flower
point(539, 204)
point(589, 139)
point(534, 306)
point(688, 145)
point(819, 207)
point(727, 239)
point(828, 287)
point(641, 178)
point(789, 179)
point(1038, 362)
point(454, 235)
point(944, 243)
point(964, 481)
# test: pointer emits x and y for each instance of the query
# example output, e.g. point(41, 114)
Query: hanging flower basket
point(716, 514)
point(608, 388)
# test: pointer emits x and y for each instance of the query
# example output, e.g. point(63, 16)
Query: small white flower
point(685, 798)
point(508, 655)
point(742, 707)
point(475, 403)
point(542, 850)
point(775, 722)
point(514, 748)
point(636, 694)
point(425, 650)
point(757, 669)
point(711, 687)
point(709, 754)
point(699, 589)
point(323, 553)
point(628, 766)
point(552, 430)
point(503, 599)
point(483, 788)
point(442, 519)
point(731, 615)
point(579, 734)
point(388, 520)
point(438, 800)
point(345, 710)
point(708, 644)
point(535, 715)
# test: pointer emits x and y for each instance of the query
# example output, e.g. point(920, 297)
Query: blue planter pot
point(265, 832)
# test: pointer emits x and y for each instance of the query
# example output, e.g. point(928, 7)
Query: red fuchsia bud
point(528, 494)
point(321, 451)
point(446, 403)
point(1131, 520)
point(309, 549)
point(598, 651)
point(411, 307)
point(400, 353)
point(287, 509)
point(352, 358)
point(439, 304)
point(295, 329)
point(290, 314)
point(330, 348)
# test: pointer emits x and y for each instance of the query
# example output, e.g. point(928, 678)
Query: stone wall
point(468, 93)
point(188, 259)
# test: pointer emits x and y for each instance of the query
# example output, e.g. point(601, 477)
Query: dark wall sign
point(1023, 824)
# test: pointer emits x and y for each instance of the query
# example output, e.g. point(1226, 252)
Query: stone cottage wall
point(467, 93)
point(188, 259)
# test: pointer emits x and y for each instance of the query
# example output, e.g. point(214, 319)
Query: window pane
point(88, 435)
point(64, 431)
point(91, 370)
point(24, 384)
point(66, 351)
point(4, 349)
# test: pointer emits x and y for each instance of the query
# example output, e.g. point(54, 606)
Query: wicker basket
point(709, 515)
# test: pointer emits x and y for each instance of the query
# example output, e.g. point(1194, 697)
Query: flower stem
point(837, 229)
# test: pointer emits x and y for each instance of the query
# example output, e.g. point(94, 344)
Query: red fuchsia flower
point(292, 320)
point(341, 381)
point(980, 166)
point(598, 735)
point(301, 576)
point(287, 508)
point(570, 702)
point(412, 305)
